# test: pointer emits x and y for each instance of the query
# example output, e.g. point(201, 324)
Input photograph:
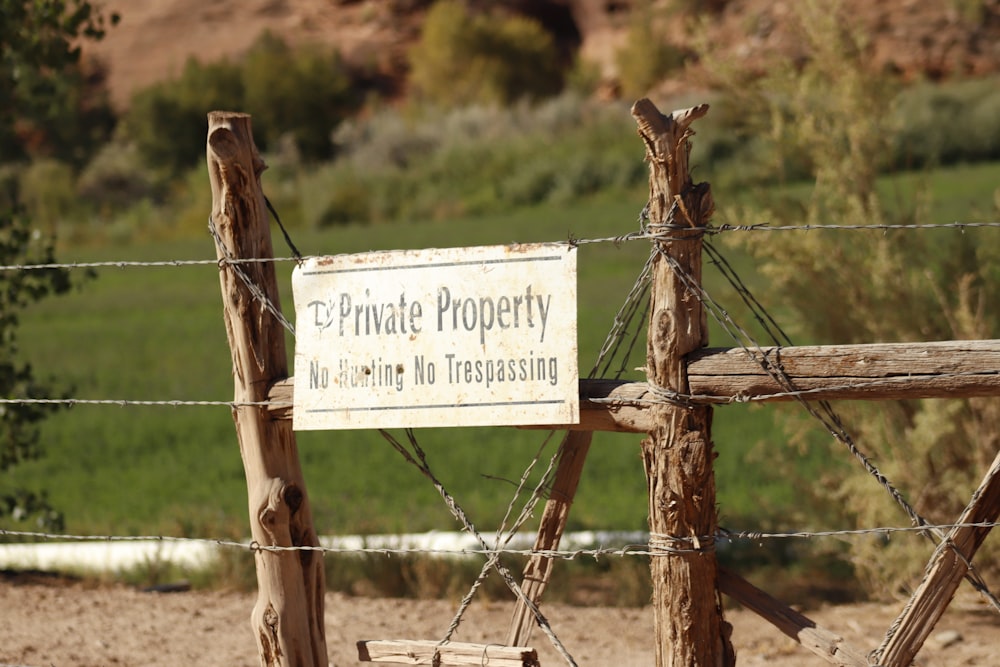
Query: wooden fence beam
point(944, 573)
point(884, 371)
point(881, 371)
point(824, 643)
point(287, 619)
point(429, 652)
point(678, 454)
point(620, 413)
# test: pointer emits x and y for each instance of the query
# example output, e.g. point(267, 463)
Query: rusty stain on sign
point(438, 337)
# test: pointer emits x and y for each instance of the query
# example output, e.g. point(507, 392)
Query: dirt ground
point(47, 623)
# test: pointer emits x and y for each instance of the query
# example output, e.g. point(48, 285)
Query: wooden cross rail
point(428, 652)
point(884, 371)
point(538, 570)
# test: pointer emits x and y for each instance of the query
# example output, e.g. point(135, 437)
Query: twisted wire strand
point(253, 287)
point(419, 459)
point(630, 549)
point(644, 234)
point(825, 413)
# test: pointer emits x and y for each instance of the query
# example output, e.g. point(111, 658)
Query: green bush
point(473, 160)
point(48, 191)
point(584, 77)
point(303, 93)
point(948, 123)
point(51, 105)
point(167, 121)
point(334, 195)
point(115, 179)
point(647, 57)
point(828, 115)
point(464, 59)
point(971, 11)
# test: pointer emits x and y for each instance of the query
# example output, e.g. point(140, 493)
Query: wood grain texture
point(538, 571)
point(287, 619)
point(824, 643)
point(884, 371)
point(678, 454)
point(425, 652)
point(880, 371)
point(944, 573)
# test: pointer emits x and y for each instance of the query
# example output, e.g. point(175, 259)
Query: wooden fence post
point(678, 455)
point(287, 619)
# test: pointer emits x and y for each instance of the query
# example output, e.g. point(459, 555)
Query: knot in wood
point(270, 617)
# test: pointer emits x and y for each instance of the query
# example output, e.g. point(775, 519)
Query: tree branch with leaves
point(39, 49)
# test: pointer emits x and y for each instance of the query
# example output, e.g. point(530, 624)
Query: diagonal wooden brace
point(948, 566)
point(538, 571)
point(824, 643)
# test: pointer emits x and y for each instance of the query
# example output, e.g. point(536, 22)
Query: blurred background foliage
point(498, 118)
point(487, 89)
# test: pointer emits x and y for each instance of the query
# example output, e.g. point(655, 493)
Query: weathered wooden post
point(678, 455)
point(287, 619)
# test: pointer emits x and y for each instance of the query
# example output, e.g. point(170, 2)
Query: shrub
point(971, 11)
point(51, 106)
point(584, 77)
point(115, 178)
point(901, 287)
point(334, 195)
point(48, 191)
point(303, 93)
point(647, 57)
point(463, 59)
point(473, 160)
point(948, 123)
point(167, 121)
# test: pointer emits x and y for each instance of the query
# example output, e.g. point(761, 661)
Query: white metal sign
point(441, 337)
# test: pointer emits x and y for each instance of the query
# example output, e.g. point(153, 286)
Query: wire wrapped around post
point(288, 618)
point(678, 454)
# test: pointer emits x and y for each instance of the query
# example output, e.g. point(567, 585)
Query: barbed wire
point(255, 290)
point(655, 396)
point(822, 410)
point(660, 396)
point(418, 458)
point(632, 549)
point(112, 264)
point(130, 403)
point(767, 227)
point(656, 545)
point(640, 235)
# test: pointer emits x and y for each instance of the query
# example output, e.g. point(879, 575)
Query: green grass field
point(157, 334)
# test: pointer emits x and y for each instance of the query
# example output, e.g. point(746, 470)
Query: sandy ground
point(45, 623)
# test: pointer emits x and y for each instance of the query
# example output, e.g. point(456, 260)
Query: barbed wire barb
point(644, 234)
point(631, 549)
